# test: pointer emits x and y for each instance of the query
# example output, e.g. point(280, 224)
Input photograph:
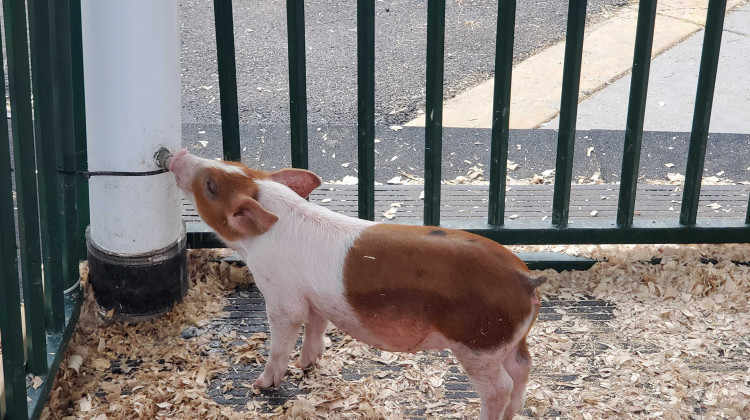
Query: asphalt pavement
point(333, 151)
point(400, 33)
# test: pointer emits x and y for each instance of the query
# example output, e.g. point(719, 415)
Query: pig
point(396, 287)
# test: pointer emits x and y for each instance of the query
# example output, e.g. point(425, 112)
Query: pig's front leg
point(284, 333)
point(312, 347)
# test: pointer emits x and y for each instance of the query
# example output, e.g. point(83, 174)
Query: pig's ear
point(250, 218)
point(299, 180)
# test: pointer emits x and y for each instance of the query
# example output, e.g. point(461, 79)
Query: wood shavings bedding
point(678, 347)
point(121, 371)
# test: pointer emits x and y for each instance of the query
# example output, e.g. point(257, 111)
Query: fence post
point(295, 25)
point(136, 240)
point(568, 112)
point(506, 22)
point(62, 98)
point(22, 128)
point(704, 98)
point(631, 155)
point(366, 108)
point(10, 295)
point(230, 119)
point(45, 138)
point(433, 137)
point(79, 124)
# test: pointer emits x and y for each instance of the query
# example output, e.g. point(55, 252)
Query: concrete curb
point(607, 56)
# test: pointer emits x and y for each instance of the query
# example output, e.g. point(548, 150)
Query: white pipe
point(131, 56)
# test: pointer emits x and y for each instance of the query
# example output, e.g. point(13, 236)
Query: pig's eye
point(211, 190)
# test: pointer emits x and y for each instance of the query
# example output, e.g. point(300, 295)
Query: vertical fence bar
point(433, 141)
point(704, 97)
point(79, 125)
point(230, 119)
point(295, 23)
point(644, 39)
point(10, 295)
point(568, 112)
point(44, 127)
point(506, 22)
point(366, 108)
point(22, 125)
point(62, 93)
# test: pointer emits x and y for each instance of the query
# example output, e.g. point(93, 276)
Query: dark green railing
point(568, 112)
point(366, 107)
point(41, 247)
point(644, 37)
point(295, 24)
point(703, 100)
point(44, 239)
point(506, 23)
point(230, 120)
point(433, 137)
point(622, 229)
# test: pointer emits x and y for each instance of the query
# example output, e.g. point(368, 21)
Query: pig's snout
point(179, 166)
point(174, 163)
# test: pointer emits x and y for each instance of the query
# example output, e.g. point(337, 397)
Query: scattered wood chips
point(122, 371)
point(678, 347)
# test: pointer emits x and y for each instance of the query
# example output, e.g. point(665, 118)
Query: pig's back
point(407, 282)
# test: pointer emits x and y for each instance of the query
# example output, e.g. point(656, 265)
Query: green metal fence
point(41, 247)
point(622, 229)
point(40, 243)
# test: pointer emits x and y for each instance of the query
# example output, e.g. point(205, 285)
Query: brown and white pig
point(399, 288)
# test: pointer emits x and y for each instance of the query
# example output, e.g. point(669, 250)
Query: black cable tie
point(89, 174)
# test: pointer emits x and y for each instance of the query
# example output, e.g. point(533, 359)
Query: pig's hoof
point(309, 358)
point(305, 362)
point(268, 379)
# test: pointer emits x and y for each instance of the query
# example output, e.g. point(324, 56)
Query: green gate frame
point(49, 146)
point(623, 229)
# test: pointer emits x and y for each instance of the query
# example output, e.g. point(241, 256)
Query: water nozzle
point(162, 156)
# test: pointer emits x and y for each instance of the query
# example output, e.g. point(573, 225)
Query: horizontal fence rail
point(40, 246)
point(622, 229)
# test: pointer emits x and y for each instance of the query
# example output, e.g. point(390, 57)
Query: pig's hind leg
point(486, 372)
point(285, 328)
point(518, 365)
point(312, 347)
